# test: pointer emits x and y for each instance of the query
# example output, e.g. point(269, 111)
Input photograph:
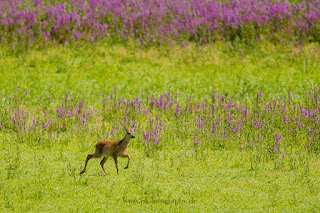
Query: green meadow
point(87, 71)
point(39, 168)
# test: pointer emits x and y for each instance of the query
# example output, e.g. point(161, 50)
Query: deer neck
point(125, 141)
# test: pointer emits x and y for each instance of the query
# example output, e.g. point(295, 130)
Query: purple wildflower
point(178, 110)
point(213, 127)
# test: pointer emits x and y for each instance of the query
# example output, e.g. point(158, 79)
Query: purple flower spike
point(289, 98)
point(278, 137)
point(33, 124)
point(178, 110)
point(246, 112)
point(49, 122)
point(213, 127)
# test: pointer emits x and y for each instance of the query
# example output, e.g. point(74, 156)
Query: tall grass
point(257, 155)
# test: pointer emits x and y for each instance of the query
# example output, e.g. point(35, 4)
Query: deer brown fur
point(113, 149)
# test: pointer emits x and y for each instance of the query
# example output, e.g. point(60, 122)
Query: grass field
point(89, 70)
point(40, 163)
point(34, 179)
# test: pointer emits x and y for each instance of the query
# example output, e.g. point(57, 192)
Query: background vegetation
point(40, 168)
point(224, 125)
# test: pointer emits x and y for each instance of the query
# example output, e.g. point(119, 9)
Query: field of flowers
point(224, 97)
point(269, 127)
point(214, 144)
point(40, 22)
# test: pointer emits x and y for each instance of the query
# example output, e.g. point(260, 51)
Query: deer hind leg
point(126, 156)
point(95, 155)
point(102, 164)
point(116, 162)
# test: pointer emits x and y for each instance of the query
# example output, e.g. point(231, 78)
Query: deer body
point(113, 149)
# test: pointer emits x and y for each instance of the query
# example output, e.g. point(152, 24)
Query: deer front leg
point(126, 156)
point(116, 162)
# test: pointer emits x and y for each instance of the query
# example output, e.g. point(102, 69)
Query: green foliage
point(39, 169)
point(87, 71)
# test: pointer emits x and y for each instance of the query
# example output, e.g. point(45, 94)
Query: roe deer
point(113, 149)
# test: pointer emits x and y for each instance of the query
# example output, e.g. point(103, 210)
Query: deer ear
point(125, 127)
